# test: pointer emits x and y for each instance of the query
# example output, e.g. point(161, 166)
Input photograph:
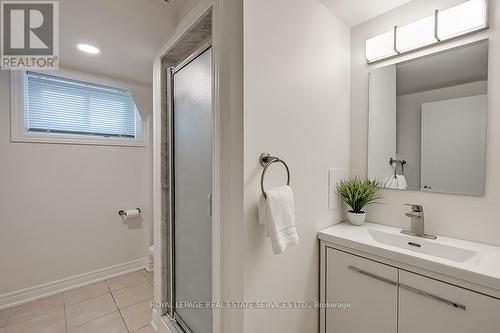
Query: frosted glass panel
point(461, 19)
point(380, 47)
point(416, 34)
point(192, 187)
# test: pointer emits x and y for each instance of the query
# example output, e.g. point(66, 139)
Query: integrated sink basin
point(459, 259)
point(421, 245)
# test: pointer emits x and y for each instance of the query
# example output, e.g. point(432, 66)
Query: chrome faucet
point(417, 222)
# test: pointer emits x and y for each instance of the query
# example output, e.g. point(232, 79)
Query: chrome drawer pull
point(360, 271)
point(434, 297)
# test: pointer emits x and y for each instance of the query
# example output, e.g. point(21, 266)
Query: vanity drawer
point(431, 306)
point(368, 286)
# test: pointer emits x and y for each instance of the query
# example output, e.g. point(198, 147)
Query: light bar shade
point(462, 19)
point(380, 47)
point(467, 17)
point(416, 34)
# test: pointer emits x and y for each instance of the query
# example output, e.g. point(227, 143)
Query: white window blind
point(59, 105)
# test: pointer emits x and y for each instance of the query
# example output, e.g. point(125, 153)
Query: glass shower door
point(192, 163)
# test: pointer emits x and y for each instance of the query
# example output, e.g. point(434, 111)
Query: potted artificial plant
point(357, 194)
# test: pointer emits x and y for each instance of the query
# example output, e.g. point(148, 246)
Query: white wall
point(297, 106)
point(451, 215)
point(228, 45)
point(453, 160)
point(186, 8)
point(382, 120)
point(59, 204)
point(409, 122)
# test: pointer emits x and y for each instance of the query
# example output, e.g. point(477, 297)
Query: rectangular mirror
point(427, 122)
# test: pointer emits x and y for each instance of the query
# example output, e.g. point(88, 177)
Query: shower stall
point(185, 149)
point(191, 229)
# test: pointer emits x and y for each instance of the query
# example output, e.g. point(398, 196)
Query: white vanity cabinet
point(370, 288)
point(427, 305)
point(385, 299)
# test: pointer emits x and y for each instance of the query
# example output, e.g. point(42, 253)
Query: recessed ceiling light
point(90, 49)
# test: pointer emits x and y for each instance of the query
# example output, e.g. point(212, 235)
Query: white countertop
point(482, 269)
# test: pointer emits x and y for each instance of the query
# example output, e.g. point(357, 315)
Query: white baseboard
point(56, 287)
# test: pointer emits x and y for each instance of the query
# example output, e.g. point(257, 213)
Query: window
point(57, 109)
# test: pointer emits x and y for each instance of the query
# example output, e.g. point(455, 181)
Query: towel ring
point(397, 162)
point(266, 160)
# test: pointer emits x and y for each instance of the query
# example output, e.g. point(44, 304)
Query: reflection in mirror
point(427, 122)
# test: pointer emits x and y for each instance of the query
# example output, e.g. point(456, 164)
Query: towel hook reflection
point(266, 160)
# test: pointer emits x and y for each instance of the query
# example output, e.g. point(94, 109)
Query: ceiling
point(449, 68)
point(128, 32)
point(354, 12)
point(131, 32)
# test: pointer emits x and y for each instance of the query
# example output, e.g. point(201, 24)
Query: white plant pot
point(356, 218)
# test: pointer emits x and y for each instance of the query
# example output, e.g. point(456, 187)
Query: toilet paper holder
point(123, 213)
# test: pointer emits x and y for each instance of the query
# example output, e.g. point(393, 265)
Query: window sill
point(76, 140)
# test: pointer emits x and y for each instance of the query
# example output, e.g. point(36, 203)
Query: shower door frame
point(162, 99)
point(172, 316)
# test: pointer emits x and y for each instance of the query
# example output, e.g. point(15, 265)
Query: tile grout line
point(65, 317)
point(35, 317)
point(98, 281)
point(119, 312)
point(145, 279)
point(32, 317)
point(8, 318)
point(152, 285)
point(130, 306)
point(89, 321)
point(106, 314)
point(144, 300)
point(140, 328)
point(133, 284)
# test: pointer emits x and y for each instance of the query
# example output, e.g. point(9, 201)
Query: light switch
point(335, 176)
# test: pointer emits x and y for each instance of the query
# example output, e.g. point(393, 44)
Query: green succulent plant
point(357, 193)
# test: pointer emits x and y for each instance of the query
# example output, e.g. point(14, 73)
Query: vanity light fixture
point(87, 48)
point(466, 18)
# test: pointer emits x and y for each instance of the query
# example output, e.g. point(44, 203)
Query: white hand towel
point(396, 183)
point(277, 212)
point(402, 184)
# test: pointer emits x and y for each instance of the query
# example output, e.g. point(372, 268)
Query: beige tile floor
point(117, 305)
